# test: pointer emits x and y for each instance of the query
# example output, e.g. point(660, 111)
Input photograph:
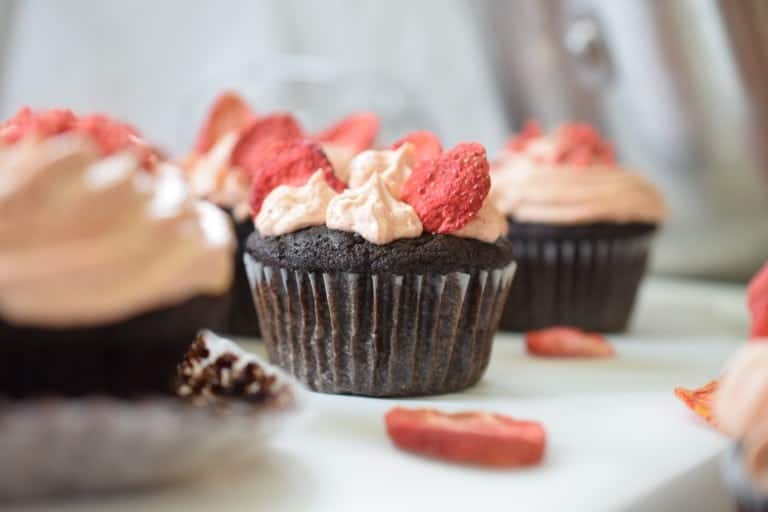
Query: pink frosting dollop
point(531, 182)
point(741, 407)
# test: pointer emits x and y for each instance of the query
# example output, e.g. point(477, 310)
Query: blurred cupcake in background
point(232, 141)
point(392, 286)
point(108, 267)
point(741, 411)
point(581, 228)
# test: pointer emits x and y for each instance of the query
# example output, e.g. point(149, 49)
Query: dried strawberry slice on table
point(357, 131)
point(480, 438)
point(426, 145)
point(448, 191)
point(699, 400)
point(257, 140)
point(291, 163)
point(567, 342)
point(228, 113)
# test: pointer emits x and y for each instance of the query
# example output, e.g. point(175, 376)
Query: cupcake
point(108, 267)
point(392, 286)
point(741, 411)
point(581, 229)
point(232, 141)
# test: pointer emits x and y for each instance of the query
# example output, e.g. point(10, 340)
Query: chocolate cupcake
point(107, 267)
point(393, 287)
point(581, 229)
point(740, 412)
point(232, 141)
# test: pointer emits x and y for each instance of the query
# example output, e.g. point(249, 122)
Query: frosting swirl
point(394, 167)
point(373, 213)
point(112, 241)
point(488, 225)
point(288, 208)
point(741, 406)
point(532, 182)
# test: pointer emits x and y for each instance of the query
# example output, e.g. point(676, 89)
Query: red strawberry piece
point(252, 148)
point(531, 131)
point(356, 131)
point(580, 145)
point(481, 438)
point(757, 301)
point(113, 136)
point(289, 163)
point(448, 191)
point(426, 145)
point(43, 124)
point(700, 400)
point(228, 113)
point(567, 342)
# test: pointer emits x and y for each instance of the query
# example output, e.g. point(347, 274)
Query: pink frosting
point(394, 167)
point(110, 240)
point(288, 208)
point(373, 213)
point(212, 177)
point(488, 225)
point(741, 406)
point(562, 194)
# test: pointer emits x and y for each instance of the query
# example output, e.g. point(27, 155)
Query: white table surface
point(618, 438)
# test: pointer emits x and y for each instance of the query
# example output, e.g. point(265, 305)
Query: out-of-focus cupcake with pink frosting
point(388, 282)
point(108, 267)
point(232, 142)
point(741, 411)
point(581, 227)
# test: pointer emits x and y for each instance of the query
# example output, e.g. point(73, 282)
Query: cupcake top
point(95, 228)
point(234, 140)
point(741, 407)
point(570, 176)
point(391, 194)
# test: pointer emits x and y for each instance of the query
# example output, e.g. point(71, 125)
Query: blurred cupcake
point(232, 141)
point(741, 411)
point(107, 267)
point(391, 287)
point(581, 228)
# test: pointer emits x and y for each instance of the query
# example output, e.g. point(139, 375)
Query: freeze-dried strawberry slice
point(579, 144)
point(229, 113)
point(757, 301)
point(481, 438)
point(567, 342)
point(44, 124)
point(531, 131)
point(448, 191)
point(291, 163)
point(699, 400)
point(425, 144)
point(253, 146)
point(356, 131)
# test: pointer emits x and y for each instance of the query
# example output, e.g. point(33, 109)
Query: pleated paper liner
point(379, 335)
point(68, 446)
point(584, 276)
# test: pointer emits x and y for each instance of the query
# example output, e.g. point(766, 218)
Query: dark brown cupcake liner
point(243, 320)
point(379, 334)
point(585, 276)
point(70, 446)
point(126, 358)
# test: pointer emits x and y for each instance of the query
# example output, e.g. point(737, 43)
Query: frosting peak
point(373, 212)
point(288, 208)
point(394, 166)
